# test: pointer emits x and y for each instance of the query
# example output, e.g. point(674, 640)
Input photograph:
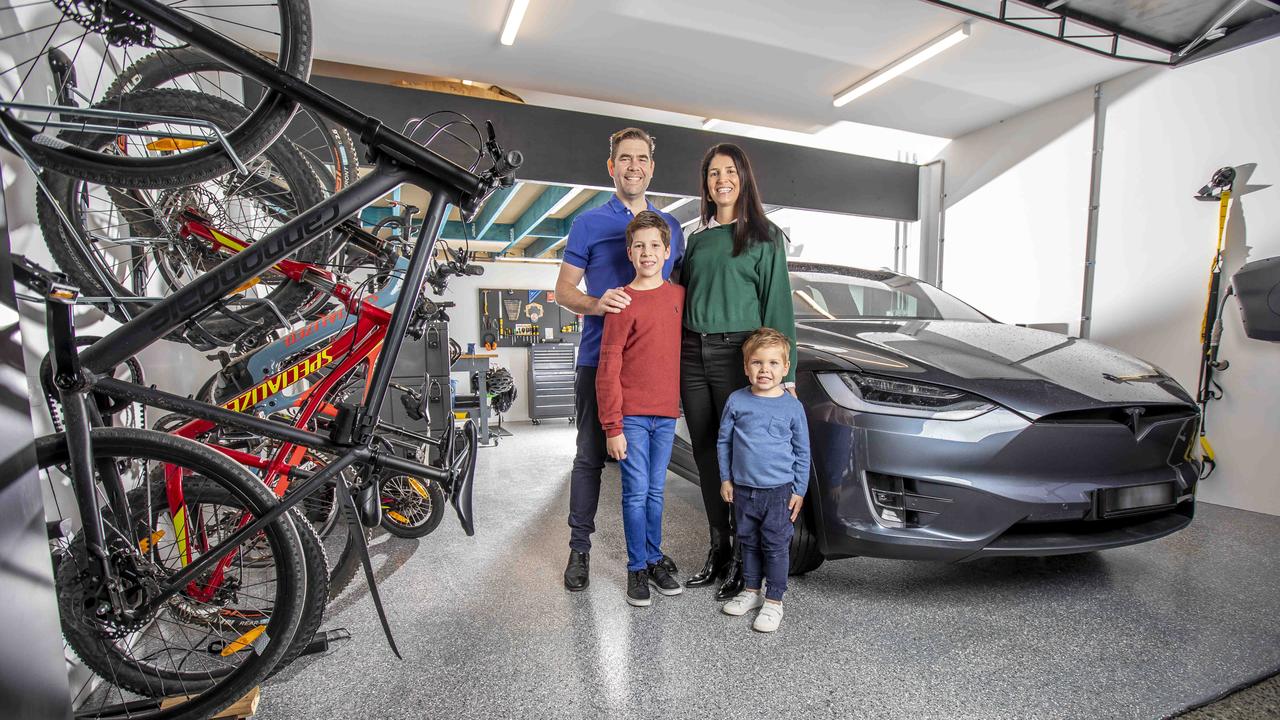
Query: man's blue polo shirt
point(597, 244)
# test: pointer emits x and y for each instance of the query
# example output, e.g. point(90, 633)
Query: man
point(597, 252)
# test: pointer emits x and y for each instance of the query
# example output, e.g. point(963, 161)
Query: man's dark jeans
point(584, 482)
point(764, 534)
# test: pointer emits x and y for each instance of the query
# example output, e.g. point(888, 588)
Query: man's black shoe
point(638, 588)
point(662, 580)
point(577, 574)
point(669, 564)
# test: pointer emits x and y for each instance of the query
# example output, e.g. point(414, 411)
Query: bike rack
point(64, 110)
point(115, 301)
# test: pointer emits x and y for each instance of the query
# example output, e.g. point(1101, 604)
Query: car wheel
point(805, 555)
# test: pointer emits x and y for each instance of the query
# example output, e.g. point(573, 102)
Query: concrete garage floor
point(487, 630)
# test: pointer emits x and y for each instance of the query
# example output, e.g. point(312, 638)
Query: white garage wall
point(1016, 229)
point(1017, 197)
point(1166, 134)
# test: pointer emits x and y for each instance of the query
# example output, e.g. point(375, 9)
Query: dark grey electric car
point(939, 434)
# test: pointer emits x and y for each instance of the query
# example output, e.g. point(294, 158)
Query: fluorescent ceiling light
point(514, 16)
point(902, 64)
point(468, 83)
point(710, 123)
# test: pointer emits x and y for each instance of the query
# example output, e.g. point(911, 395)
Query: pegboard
point(520, 318)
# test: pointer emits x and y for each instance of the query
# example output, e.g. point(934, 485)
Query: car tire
point(805, 555)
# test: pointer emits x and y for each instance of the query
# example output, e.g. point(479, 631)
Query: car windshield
point(852, 294)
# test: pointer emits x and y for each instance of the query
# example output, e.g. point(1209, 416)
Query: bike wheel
point(321, 508)
point(132, 241)
point(327, 146)
point(57, 51)
point(223, 633)
point(324, 514)
point(411, 507)
point(313, 553)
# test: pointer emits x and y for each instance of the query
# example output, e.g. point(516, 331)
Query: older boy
point(763, 449)
point(638, 391)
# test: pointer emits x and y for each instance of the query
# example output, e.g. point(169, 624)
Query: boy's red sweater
point(639, 371)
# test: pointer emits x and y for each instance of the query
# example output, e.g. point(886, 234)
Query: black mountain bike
point(201, 604)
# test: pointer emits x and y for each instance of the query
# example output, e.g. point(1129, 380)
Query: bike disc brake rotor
point(119, 26)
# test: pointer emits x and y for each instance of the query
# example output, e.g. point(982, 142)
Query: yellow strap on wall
point(1223, 202)
point(1206, 449)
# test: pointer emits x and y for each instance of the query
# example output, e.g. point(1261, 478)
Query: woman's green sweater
point(724, 293)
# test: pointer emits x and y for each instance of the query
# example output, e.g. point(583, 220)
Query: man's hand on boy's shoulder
point(617, 447)
point(794, 506)
point(614, 300)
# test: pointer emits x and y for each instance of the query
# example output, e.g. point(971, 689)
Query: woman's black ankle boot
point(733, 576)
point(718, 559)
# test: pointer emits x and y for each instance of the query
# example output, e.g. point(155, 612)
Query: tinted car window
point(832, 296)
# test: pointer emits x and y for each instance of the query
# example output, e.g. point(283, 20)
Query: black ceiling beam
point(1058, 19)
point(1247, 34)
point(561, 146)
point(1065, 10)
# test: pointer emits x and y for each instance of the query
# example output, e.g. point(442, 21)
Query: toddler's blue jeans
point(644, 475)
point(764, 534)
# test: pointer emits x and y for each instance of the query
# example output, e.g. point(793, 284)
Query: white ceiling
point(761, 62)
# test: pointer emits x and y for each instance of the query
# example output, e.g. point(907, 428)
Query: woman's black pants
point(711, 368)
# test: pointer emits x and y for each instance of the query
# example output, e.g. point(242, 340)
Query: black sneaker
point(577, 574)
point(662, 580)
point(638, 588)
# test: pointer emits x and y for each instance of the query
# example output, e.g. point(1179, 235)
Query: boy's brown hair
point(766, 337)
point(631, 133)
point(649, 219)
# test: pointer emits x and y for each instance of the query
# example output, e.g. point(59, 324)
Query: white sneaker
point(743, 603)
point(769, 618)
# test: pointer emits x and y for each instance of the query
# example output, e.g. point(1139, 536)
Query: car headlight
point(905, 398)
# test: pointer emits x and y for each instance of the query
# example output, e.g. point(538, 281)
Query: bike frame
point(397, 161)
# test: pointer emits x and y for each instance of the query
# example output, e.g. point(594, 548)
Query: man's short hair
point(649, 219)
point(630, 133)
point(766, 337)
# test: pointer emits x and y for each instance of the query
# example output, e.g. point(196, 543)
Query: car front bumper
point(993, 485)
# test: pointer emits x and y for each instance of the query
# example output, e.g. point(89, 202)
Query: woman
point(735, 277)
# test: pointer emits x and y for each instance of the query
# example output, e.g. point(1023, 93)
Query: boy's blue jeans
point(764, 534)
point(644, 475)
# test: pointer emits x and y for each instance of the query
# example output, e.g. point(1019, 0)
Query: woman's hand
point(614, 300)
point(794, 506)
point(726, 491)
point(617, 447)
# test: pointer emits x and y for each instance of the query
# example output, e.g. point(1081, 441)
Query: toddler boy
point(763, 449)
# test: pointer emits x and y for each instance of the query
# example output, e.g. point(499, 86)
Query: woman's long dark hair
point(751, 226)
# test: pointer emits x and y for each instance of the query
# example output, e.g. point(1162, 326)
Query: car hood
point(1032, 372)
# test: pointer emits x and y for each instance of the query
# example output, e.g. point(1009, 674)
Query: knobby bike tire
point(215, 479)
point(248, 137)
point(335, 159)
point(87, 267)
